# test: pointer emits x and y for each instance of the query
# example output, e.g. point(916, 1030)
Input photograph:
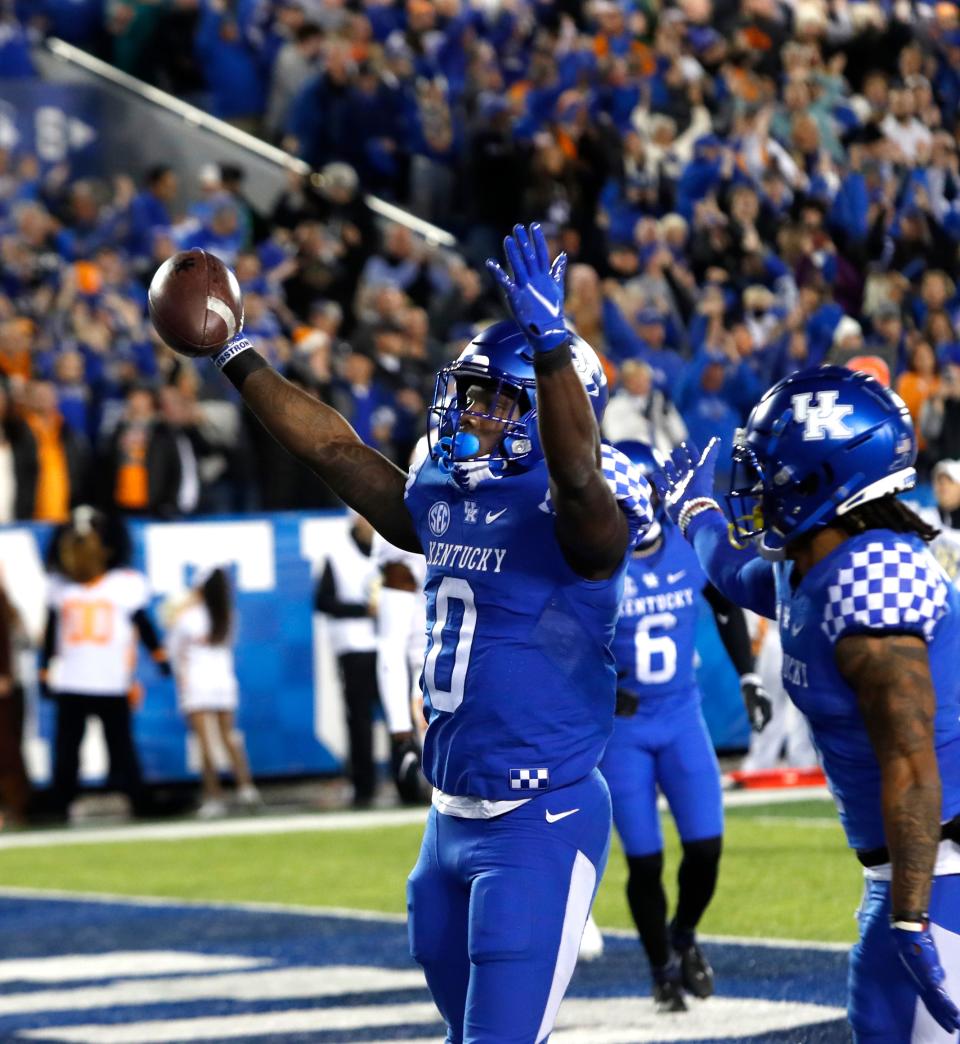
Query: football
point(195, 303)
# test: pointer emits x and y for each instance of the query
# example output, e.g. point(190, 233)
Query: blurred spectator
point(150, 210)
point(182, 419)
point(62, 455)
point(638, 411)
point(940, 415)
point(231, 66)
point(920, 381)
point(318, 127)
point(346, 594)
point(946, 487)
point(293, 66)
point(365, 402)
point(141, 469)
point(74, 398)
point(200, 643)
point(14, 785)
point(97, 608)
point(18, 464)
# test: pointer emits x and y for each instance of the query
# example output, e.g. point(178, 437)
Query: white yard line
point(311, 822)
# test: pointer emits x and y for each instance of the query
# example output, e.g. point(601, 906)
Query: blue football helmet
point(818, 444)
point(501, 358)
point(643, 455)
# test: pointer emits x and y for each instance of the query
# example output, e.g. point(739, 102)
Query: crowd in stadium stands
point(743, 187)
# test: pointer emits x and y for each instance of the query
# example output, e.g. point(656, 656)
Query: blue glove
point(918, 952)
point(687, 476)
point(535, 294)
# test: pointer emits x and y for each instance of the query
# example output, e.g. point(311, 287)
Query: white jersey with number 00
point(96, 639)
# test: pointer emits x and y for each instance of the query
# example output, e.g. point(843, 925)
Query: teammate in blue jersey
point(870, 627)
point(525, 523)
point(660, 740)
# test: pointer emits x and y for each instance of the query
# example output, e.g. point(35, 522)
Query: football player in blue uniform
point(870, 627)
point(660, 739)
point(525, 523)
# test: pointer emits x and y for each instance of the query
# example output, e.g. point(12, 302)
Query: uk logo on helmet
point(438, 518)
point(822, 418)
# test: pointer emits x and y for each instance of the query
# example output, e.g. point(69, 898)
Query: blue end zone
point(46, 932)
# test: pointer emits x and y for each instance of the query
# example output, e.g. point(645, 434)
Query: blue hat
point(651, 317)
point(708, 141)
point(703, 37)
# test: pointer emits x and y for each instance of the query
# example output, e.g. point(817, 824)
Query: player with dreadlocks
point(870, 627)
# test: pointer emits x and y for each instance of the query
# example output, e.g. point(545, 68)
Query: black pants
point(14, 785)
point(73, 709)
point(358, 672)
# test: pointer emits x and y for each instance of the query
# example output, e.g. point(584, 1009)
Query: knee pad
point(704, 851)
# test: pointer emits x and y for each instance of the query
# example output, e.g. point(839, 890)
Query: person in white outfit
point(786, 734)
point(347, 593)
point(201, 650)
point(401, 647)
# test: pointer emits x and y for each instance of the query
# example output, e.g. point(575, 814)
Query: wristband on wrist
point(909, 921)
point(231, 350)
point(692, 508)
point(237, 360)
point(555, 359)
point(751, 678)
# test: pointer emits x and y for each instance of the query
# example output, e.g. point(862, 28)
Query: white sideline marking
point(318, 821)
point(296, 824)
point(269, 985)
point(361, 915)
point(621, 1020)
point(172, 1031)
point(120, 964)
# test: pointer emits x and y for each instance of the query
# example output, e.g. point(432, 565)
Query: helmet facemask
point(745, 499)
point(502, 400)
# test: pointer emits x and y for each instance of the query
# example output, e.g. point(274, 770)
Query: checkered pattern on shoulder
point(627, 484)
point(886, 586)
point(529, 779)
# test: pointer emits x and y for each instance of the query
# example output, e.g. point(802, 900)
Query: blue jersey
point(874, 582)
point(519, 677)
point(656, 634)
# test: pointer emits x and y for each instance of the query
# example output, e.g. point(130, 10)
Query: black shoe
point(695, 972)
point(668, 996)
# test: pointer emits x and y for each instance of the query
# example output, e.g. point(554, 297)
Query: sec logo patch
point(438, 518)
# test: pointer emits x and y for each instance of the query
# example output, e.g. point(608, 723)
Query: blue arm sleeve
point(740, 575)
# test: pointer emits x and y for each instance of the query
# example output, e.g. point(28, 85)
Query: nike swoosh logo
point(672, 578)
point(551, 818)
point(551, 306)
point(795, 629)
point(492, 516)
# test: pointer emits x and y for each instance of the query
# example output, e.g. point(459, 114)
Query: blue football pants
point(883, 1005)
point(671, 748)
point(496, 909)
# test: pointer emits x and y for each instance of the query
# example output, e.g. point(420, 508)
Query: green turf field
point(786, 872)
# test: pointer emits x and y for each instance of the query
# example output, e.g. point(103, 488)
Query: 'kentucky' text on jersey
point(513, 627)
